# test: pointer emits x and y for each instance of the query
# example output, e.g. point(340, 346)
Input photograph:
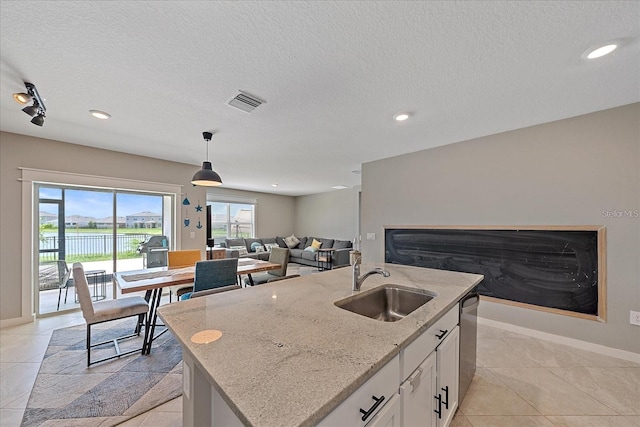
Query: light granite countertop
point(288, 356)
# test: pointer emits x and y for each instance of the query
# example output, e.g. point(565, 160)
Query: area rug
point(67, 393)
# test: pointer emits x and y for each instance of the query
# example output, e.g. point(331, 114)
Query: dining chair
point(106, 311)
point(277, 256)
point(183, 258)
point(214, 273)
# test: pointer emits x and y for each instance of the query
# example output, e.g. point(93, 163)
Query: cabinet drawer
point(422, 346)
point(383, 383)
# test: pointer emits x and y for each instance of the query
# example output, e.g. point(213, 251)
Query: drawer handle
point(442, 333)
point(365, 414)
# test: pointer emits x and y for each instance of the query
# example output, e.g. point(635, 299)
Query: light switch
point(371, 236)
point(193, 235)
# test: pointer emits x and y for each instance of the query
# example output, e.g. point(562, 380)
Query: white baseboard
point(16, 321)
point(582, 345)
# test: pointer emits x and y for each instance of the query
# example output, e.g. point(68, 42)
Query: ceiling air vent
point(245, 102)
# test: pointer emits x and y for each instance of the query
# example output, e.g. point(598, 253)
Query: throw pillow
point(268, 246)
point(260, 249)
point(242, 250)
point(255, 246)
point(311, 249)
point(316, 244)
point(291, 241)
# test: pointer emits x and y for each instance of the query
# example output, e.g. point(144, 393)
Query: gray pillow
point(341, 244)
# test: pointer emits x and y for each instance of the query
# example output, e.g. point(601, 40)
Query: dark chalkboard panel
point(559, 269)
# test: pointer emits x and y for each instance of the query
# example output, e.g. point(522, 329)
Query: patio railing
point(91, 246)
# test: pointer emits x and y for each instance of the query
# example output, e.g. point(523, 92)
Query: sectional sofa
point(259, 249)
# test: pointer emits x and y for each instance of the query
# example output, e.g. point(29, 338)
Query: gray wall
point(333, 214)
point(275, 214)
point(561, 173)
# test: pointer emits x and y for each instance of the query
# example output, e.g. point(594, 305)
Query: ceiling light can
point(100, 114)
point(600, 51)
point(400, 117)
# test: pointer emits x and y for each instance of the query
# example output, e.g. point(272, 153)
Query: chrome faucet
point(356, 283)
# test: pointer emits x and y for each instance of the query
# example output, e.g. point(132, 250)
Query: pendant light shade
point(206, 176)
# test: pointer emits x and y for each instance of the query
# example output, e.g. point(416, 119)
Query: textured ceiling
point(332, 73)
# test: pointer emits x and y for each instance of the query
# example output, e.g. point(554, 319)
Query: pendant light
point(206, 176)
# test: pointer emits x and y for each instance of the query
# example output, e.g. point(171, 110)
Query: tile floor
point(520, 381)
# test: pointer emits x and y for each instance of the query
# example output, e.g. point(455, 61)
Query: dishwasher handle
point(469, 303)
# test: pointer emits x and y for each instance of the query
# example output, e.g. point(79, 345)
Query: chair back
point(64, 273)
point(279, 256)
point(84, 295)
point(184, 258)
point(215, 273)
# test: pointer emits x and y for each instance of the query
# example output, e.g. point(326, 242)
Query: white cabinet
point(429, 392)
point(369, 400)
point(417, 395)
point(447, 364)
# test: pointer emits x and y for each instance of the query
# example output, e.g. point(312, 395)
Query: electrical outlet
point(193, 235)
point(635, 318)
point(371, 236)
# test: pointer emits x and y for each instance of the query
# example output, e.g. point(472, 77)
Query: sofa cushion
point(316, 244)
point(311, 256)
point(266, 240)
point(235, 242)
point(292, 241)
point(303, 243)
point(242, 250)
point(341, 244)
point(280, 242)
point(296, 252)
point(310, 249)
point(253, 244)
point(326, 243)
point(268, 246)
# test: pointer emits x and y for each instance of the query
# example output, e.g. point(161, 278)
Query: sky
point(99, 204)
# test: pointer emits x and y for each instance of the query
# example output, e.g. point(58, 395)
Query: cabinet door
point(447, 366)
point(389, 415)
point(416, 395)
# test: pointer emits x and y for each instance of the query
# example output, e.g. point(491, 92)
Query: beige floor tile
point(509, 421)
point(18, 348)
point(549, 394)
point(11, 417)
point(502, 353)
point(16, 381)
point(459, 421)
point(174, 405)
point(163, 419)
point(489, 396)
point(618, 388)
point(485, 332)
point(594, 421)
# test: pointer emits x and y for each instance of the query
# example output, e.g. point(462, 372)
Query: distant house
point(107, 222)
point(48, 218)
point(144, 219)
point(78, 221)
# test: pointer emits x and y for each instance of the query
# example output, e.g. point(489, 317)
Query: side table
point(324, 258)
point(99, 292)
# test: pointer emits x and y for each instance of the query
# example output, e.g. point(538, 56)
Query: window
point(232, 220)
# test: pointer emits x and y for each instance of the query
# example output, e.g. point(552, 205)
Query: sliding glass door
point(100, 228)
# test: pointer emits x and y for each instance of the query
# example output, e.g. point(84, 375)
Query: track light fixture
point(37, 110)
point(206, 176)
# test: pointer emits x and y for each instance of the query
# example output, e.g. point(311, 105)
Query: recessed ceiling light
point(339, 187)
point(100, 114)
point(274, 185)
point(400, 117)
point(601, 51)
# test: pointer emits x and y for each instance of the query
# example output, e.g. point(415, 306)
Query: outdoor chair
point(178, 259)
point(277, 256)
point(215, 273)
point(64, 275)
point(106, 311)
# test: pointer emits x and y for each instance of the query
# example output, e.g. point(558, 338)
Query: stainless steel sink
point(387, 303)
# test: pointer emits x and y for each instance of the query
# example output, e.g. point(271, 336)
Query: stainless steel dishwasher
point(468, 340)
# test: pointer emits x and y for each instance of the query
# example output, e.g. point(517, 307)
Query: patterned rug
point(67, 393)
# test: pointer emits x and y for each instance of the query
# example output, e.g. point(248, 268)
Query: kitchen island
point(284, 355)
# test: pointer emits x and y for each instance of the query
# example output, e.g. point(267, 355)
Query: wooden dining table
point(153, 280)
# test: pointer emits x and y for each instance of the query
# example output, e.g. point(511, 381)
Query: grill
point(154, 251)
